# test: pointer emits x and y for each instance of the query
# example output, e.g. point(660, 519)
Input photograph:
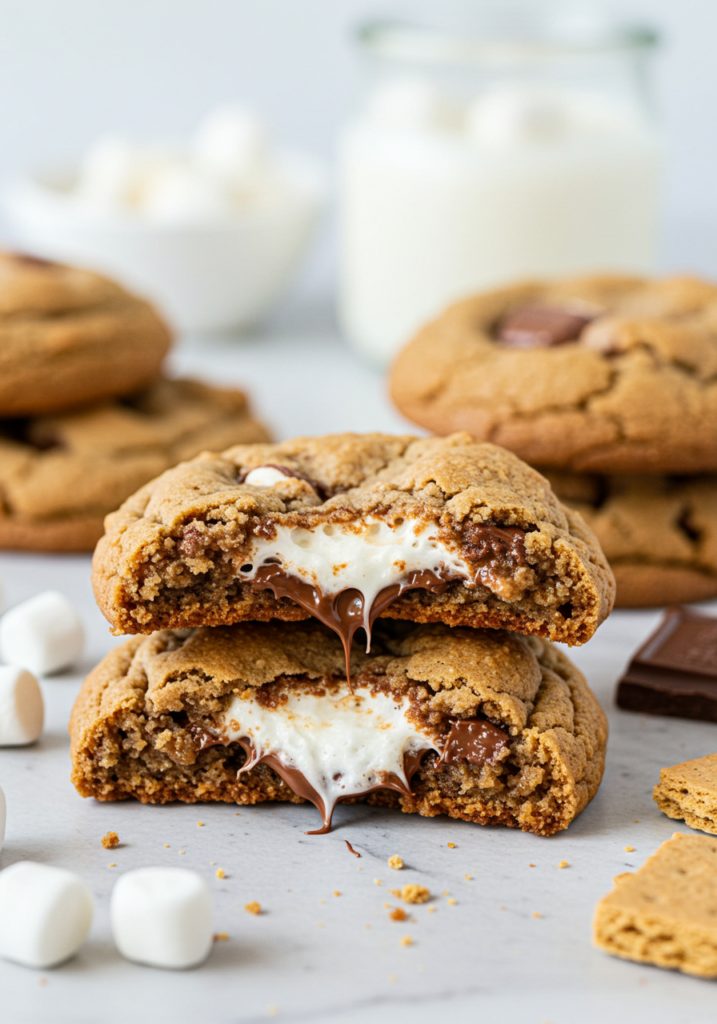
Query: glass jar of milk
point(479, 159)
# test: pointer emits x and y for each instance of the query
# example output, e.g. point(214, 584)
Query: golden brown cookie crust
point(68, 337)
point(658, 533)
point(60, 475)
point(144, 578)
point(131, 727)
point(665, 913)
point(636, 392)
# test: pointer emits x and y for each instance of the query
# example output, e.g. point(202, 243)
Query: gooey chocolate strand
point(487, 546)
point(475, 740)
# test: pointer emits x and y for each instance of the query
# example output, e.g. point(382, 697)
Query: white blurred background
point(71, 70)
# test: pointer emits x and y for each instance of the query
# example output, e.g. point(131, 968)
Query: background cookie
point(607, 374)
point(658, 533)
point(68, 336)
point(60, 475)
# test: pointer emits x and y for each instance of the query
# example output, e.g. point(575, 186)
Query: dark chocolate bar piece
point(675, 670)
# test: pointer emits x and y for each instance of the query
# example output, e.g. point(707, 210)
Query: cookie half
point(60, 475)
point(482, 725)
point(659, 533)
point(68, 337)
point(601, 374)
point(349, 528)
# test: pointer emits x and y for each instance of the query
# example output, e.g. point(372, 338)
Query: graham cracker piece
point(665, 913)
point(689, 791)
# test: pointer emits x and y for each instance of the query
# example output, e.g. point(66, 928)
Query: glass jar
point(481, 158)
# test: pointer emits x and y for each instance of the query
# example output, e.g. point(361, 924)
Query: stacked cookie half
point(348, 617)
point(86, 415)
point(609, 386)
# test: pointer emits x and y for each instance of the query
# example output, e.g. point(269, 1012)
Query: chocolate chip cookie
point(350, 528)
point(68, 337)
point(486, 726)
point(659, 533)
point(60, 475)
point(602, 374)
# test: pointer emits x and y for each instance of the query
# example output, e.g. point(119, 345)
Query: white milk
point(437, 202)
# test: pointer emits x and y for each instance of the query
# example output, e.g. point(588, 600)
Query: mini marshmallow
point(180, 194)
point(45, 914)
point(264, 476)
point(231, 143)
point(3, 817)
point(22, 710)
point(43, 634)
point(162, 917)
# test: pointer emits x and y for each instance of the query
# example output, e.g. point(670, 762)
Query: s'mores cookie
point(689, 791)
point(68, 336)
point(604, 374)
point(666, 913)
point(659, 533)
point(350, 528)
point(60, 475)
point(482, 725)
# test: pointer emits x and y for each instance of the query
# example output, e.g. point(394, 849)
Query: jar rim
point(406, 41)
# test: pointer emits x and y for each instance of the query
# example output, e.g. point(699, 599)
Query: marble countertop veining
point(312, 955)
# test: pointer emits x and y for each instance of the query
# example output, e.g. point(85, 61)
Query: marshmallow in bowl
point(228, 166)
point(22, 709)
point(45, 914)
point(162, 917)
point(44, 634)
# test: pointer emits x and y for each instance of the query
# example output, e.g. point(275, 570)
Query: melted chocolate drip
point(351, 849)
point(474, 740)
point(342, 612)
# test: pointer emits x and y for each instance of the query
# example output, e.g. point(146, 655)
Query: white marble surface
point(312, 955)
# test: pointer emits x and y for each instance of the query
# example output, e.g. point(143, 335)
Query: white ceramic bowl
point(216, 275)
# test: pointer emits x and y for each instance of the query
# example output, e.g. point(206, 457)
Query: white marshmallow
point(231, 143)
point(45, 914)
point(3, 817)
point(162, 917)
point(109, 173)
point(22, 710)
point(181, 194)
point(44, 634)
point(264, 476)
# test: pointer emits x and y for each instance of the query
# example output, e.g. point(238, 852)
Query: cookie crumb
point(272, 1011)
point(166, 846)
point(451, 846)
point(200, 824)
point(395, 862)
point(182, 852)
point(219, 873)
point(629, 849)
point(319, 924)
point(563, 864)
point(536, 914)
point(531, 865)
point(393, 978)
point(636, 821)
point(469, 877)
point(406, 940)
point(112, 864)
point(110, 840)
point(336, 893)
point(398, 914)
point(431, 909)
point(445, 892)
point(412, 893)
point(253, 907)
point(451, 901)
point(351, 849)
point(377, 881)
point(221, 937)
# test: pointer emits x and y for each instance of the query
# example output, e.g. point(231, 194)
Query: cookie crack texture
point(173, 555)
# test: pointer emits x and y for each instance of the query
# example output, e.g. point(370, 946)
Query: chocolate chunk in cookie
point(540, 326)
point(482, 725)
point(367, 526)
